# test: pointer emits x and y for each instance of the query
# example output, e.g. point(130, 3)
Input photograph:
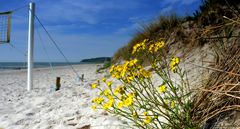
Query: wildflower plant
point(139, 99)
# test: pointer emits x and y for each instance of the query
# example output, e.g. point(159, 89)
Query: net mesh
point(5, 27)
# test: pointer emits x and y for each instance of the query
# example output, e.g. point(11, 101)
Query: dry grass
point(221, 92)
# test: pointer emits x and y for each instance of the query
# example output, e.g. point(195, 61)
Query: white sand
point(43, 108)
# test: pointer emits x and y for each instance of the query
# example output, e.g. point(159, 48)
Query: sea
point(23, 65)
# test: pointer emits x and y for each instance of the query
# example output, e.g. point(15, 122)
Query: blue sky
point(84, 28)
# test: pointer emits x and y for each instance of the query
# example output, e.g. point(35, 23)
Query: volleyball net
point(5, 26)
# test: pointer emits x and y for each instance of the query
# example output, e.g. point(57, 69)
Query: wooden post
point(58, 83)
point(82, 77)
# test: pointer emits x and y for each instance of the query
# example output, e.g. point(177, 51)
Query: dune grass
point(159, 28)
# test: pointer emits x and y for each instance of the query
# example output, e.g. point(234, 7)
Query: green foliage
point(96, 60)
point(106, 65)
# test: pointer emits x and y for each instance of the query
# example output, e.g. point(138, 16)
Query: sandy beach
point(44, 108)
point(169, 64)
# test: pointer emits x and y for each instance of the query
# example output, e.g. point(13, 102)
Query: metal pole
point(30, 45)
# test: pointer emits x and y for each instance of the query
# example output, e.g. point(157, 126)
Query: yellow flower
point(162, 89)
point(143, 47)
point(119, 68)
point(135, 48)
point(140, 46)
point(135, 75)
point(147, 120)
point(109, 104)
point(134, 115)
point(109, 83)
point(115, 71)
point(120, 104)
point(145, 113)
point(131, 95)
point(112, 69)
point(124, 68)
point(159, 45)
point(156, 46)
point(110, 97)
point(116, 76)
point(128, 101)
point(129, 79)
point(94, 107)
point(106, 92)
point(119, 90)
point(104, 79)
point(94, 85)
point(133, 62)
point(151, 47)
point(174, 62)
point(173, 68)
point(106, 106)
point(172, 104)
point(145, 73)
point(98, 100)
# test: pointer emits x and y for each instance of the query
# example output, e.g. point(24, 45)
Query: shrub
point(139, 99)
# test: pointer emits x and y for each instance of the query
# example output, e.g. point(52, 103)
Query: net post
point(30, 46)
point(9, 28)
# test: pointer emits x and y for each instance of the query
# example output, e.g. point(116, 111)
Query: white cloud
point(63, 12)
point(85, 11)
point(167, 10)
point(128, 29)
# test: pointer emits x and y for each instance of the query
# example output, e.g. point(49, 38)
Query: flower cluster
point(113, 98)
point(156, 46)
point(98, 100)
point(138, 99)
point(128, 71)
point(148, 46)
point(174, 62)
point(139, 47)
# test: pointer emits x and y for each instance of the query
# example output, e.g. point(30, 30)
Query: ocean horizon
point(23, 65)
